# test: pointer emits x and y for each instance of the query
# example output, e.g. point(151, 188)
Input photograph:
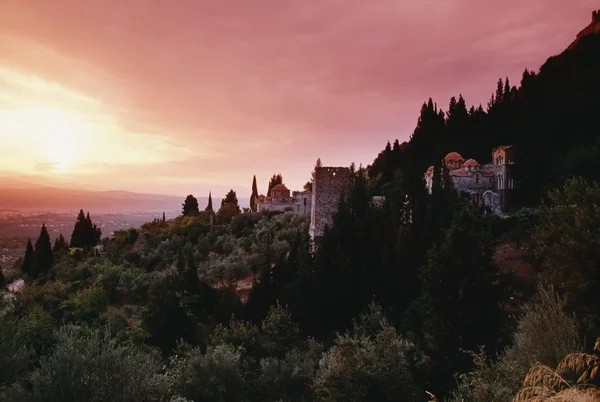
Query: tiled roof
point(280, 187)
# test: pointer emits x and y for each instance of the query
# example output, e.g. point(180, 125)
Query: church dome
point(453, 156)
point(471, 163)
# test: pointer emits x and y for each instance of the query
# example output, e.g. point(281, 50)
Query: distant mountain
point(26, 198)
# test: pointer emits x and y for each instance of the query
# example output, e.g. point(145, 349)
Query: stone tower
point(328, 185)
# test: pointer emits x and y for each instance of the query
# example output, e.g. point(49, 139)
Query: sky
point(192, 96)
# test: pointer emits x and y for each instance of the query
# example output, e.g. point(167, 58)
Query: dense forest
point(402, 301)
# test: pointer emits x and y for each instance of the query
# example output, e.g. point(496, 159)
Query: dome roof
point(280, 187)
point(471, 162)
point(453, 156)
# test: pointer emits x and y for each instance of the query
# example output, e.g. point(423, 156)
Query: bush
point(545, 333)
point(215, 376)
point(91, 367)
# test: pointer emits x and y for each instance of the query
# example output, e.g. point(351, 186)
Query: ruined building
point(592, 28)
point(321, 204)
point(281, 200)
point(328, 186)
point(489, 185)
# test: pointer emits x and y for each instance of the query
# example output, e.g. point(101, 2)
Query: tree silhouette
point(190, 206)
point(231, 199)
point(275, 180)
point(28, 259)
point(43, 258)
point(85, 233)
point(254, 195)
point(209, 207)
point(60, 244)
point(308, 186)
point(164, 217)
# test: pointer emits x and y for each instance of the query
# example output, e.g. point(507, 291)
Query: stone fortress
point(489, 185)
point(321, 203)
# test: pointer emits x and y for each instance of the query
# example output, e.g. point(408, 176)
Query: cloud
point(232, 88)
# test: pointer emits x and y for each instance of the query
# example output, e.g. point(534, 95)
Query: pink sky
point(185, 96)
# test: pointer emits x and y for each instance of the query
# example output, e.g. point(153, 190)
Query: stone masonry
point(328, 185)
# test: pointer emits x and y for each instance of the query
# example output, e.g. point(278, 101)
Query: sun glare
point(60, 130)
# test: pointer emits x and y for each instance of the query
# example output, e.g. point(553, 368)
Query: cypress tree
point(254, 195)
point(209, 207)
point(85, 233)
point(43, 258)
point(28, 259)
point(164, 217)
point(60, 244)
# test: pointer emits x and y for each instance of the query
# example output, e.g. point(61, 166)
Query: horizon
point(173, 100)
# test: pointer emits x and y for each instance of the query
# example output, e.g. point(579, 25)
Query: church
point(490, 184)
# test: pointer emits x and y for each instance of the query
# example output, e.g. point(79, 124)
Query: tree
point(231, 199)
point(275, 180)
point(164, 217)
point(107, 371)
point(377, 367)
point(190, 206)
point(309, 184)
point(43, 258)
point(60, 244)
point(461, 292)
point(209, 207)
point(2, 281)
point(28, 259)
point(566, 242)
point(85, 233)
point(254, 195)
point(226, 213)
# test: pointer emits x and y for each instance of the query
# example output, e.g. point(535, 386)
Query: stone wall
point(473, 183)
point(276, 205)
point(303, 203)
point(328, 186)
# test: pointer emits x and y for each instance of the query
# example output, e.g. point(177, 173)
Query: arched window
point(476, 178)
point(500, 182)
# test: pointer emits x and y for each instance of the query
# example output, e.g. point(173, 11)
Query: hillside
point(52, 199)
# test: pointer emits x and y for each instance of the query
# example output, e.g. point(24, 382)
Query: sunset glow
point(198, 97)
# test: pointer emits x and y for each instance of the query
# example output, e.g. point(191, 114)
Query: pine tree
point(507, 89)
point(500, 91)
point(190, 206)
point(28, 259)
point(254, 196)
point(43, 258)
point(209, 207)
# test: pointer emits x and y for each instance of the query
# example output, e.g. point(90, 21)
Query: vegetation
point(401, 299)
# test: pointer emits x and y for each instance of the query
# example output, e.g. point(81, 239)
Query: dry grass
point(573, 380)
point(544, 377)
point(577, 395)
point(574, 366)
